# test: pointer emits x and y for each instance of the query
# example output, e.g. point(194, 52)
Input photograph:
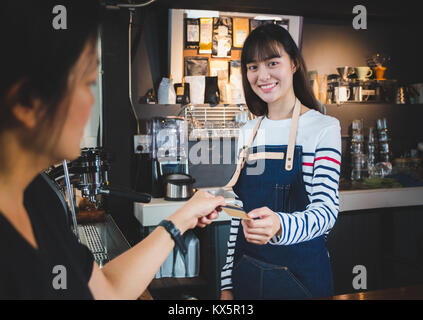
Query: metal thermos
point(358, 93)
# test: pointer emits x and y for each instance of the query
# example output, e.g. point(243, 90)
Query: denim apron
point(297, 271)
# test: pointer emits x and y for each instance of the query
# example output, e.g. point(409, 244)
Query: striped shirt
point(320, 137)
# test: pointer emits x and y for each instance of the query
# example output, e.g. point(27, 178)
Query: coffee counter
point(377, 228)
point(401, 293)
point(353, 200)
point(150, 214)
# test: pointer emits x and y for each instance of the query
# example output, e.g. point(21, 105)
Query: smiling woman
point(292, 202)
point(274, 49)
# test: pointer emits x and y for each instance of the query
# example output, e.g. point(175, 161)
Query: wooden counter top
point(403, 293)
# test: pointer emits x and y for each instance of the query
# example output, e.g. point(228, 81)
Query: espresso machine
point(161, 149)
point(89, 174)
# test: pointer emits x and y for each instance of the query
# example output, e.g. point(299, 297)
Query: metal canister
point(358, 93)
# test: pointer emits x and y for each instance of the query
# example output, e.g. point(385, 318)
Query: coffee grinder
point(161, 150)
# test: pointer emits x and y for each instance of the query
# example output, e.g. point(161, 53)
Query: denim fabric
point(297, 271)
point(262, 281)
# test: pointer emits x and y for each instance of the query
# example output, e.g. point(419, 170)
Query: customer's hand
point(226, 295)
point(260, 231)
point(200, 210)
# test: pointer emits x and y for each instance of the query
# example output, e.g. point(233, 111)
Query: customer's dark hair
point(37, 59)
point(266, 41)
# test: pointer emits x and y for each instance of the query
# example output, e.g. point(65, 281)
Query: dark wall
point(150, 50)
point(403, 123)
point(149, 59)
point(327, 9)
point(387, 242)
point(119, 123)
point(331, 43)
point(328, 44)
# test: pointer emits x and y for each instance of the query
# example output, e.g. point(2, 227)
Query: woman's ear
point(26, 115)
point(295, 65)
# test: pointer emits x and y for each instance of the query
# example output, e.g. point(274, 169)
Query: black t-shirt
point(60, 268)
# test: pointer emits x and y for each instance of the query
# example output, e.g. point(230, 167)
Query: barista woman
point(45, 102)
point(289, 181)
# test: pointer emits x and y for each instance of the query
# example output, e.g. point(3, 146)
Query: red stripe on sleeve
point(329, 159)
point(307, 164)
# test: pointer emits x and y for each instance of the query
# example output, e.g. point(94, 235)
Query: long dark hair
point(37, 59)
point(266, 41)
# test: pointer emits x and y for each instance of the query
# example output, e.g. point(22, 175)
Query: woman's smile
point(267, 87)
point(271, 78)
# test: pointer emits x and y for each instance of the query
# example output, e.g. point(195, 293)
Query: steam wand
point(70, 196)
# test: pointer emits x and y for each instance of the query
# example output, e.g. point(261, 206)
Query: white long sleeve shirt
point(320, 137)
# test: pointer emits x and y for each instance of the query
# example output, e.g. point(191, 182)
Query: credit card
point(236, 211)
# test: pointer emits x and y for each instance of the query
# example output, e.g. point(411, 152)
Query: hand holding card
point(236, 211)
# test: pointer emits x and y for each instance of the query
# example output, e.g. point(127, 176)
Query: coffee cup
point(363, 73)
point(342, 94)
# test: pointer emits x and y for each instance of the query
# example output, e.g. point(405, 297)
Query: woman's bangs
point(260, 49)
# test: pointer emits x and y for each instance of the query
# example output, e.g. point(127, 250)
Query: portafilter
point(92, 167)
point(89, 174)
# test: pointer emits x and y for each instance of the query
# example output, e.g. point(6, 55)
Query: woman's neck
point(282, 108)
point(19, 167)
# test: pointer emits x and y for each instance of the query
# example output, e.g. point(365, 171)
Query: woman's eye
point(252, 68)
point(273, 63)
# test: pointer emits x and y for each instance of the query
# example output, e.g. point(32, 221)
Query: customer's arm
point(128, 275)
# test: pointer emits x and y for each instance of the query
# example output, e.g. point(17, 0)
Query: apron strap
point(290, 150)
point(243, 156)
point(292, 136)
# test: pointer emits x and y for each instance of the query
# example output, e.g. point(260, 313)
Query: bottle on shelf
point(384, 166)
point(371, 151)
point(358, 156)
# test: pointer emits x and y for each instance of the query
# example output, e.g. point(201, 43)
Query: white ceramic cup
point(342, 94)
point(363, 73)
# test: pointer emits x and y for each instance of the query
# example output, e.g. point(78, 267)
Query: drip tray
point(104, 239)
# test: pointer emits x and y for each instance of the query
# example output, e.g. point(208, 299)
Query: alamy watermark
point(360, 20)
point(60, 279)
point(223, 150)
point(360, 280)
point(60, 19)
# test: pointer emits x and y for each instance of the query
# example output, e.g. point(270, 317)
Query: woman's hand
point(260, 231)
point(226, 295)
point(200, 210)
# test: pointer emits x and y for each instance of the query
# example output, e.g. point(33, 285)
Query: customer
point(45, 102)
point(294, 199)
